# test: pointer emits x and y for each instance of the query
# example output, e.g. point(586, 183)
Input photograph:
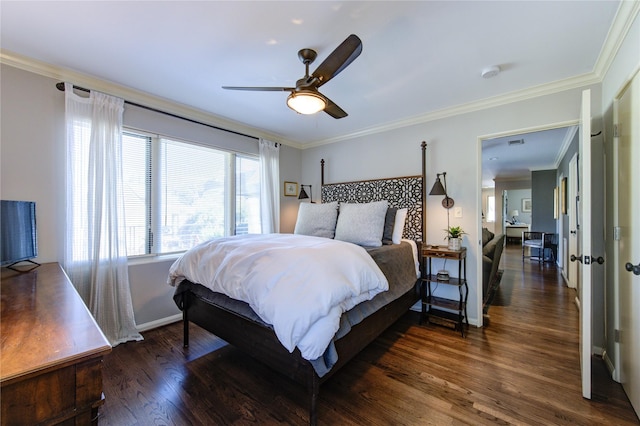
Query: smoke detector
point(490, 71)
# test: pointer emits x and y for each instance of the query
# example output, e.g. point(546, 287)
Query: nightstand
point(438, 309)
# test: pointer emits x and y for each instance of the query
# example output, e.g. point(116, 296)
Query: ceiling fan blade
point(334, 110)
point(261, 89)
point(338, 60)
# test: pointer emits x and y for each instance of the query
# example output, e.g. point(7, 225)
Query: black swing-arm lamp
point(303, 194)
point(439, 189)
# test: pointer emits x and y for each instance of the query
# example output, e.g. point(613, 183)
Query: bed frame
point(261, 342)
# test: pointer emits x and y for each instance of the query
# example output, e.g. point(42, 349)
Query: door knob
point(587, 260)
point(632, 268)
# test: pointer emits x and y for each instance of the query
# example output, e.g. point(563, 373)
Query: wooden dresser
point(51, 351)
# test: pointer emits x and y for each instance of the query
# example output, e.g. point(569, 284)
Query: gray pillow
point(389, 223)
point(362, 224)
point(317, 220)
point(486, 236)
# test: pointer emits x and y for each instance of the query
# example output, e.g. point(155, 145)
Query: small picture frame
point(526, 205)
point(290, 189)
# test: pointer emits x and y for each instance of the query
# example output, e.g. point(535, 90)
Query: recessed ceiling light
point(491, 71)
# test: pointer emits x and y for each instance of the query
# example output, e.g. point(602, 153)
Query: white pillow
point(318, 220)
point(362, 224)
point(398, 227)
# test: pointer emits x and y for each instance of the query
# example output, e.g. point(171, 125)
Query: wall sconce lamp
point(303, 194)
point(439, 189)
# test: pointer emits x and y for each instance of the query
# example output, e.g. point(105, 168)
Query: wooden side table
point(434, 307)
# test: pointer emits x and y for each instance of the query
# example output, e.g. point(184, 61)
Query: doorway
point(508, 159)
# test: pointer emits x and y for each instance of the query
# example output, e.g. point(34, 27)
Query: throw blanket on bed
point(299, 284)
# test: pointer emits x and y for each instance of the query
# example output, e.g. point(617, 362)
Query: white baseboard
point(159, 323)
point(610, 366)
point(597, 350)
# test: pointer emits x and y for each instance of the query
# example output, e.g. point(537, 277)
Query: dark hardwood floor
point(521, 369)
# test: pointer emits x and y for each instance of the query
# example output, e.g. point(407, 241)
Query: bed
point(237, 321)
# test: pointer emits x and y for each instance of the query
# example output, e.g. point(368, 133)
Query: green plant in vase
point(454, 235)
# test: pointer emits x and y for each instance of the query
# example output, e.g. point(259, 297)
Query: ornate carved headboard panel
point(401, 192)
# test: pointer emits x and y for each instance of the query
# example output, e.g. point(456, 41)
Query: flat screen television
point(18, 238)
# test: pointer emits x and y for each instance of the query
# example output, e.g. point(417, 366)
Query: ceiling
point(516, 156)
point(420, 60)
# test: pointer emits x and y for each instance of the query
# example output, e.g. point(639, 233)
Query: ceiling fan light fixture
point(306, 102)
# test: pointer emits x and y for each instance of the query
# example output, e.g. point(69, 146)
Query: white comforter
point(300, 285)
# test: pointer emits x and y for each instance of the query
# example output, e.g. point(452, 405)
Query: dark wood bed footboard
point(262, 343)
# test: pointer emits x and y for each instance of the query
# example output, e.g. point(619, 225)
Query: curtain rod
point(60, 86)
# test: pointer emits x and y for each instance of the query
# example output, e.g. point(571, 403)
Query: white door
point(572, 267)
point(584, 236)
point(629, 244)
point(562, 250)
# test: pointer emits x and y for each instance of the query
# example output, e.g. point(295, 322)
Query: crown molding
point(622, 22)
point(566, 142)
point(523, 179)
point(496, 101)
point(63, 74)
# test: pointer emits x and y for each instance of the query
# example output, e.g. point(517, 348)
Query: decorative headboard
point(401, 192)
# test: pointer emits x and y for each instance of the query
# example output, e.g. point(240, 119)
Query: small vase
point(455, 243)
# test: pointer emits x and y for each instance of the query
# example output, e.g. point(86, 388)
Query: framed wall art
point(563, 195)
point(290, 189)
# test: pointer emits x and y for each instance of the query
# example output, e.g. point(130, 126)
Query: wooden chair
point(533, 240)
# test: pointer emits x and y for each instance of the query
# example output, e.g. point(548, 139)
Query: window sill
point(160, 258)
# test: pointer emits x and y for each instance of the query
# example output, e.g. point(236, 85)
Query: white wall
point(453, 146)
point(32, 152)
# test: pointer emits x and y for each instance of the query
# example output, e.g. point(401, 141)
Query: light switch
point(457, 212)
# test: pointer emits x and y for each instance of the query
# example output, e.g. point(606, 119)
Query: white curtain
point(269, 186)
point(95, 255)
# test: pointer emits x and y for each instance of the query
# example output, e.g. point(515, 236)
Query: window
point(491, 208)
point(179, 194)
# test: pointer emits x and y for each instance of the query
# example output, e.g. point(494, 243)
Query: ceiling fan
point(305, 97)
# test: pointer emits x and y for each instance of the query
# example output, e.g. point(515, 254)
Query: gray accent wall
point(543, 183)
